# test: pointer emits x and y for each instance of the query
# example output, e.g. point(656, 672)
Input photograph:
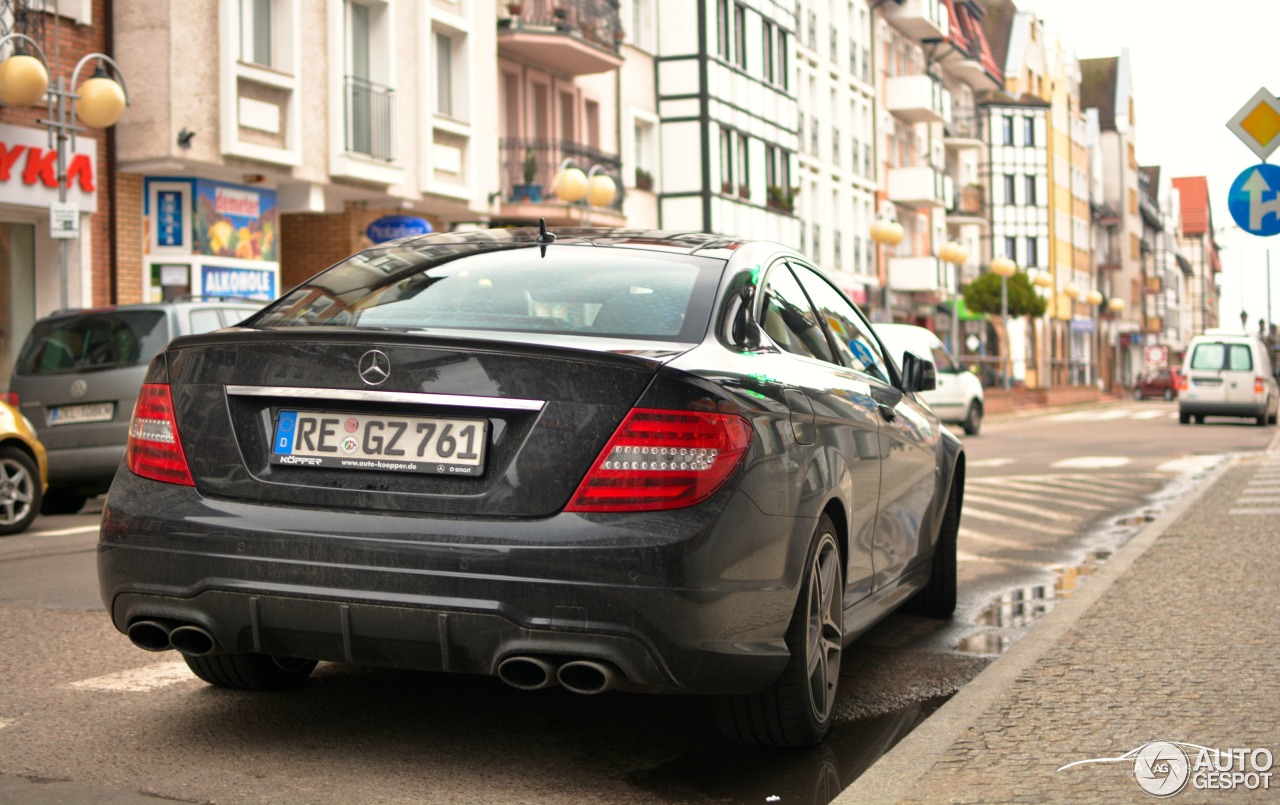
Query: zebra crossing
point(1139, 413)
point(1261, 495)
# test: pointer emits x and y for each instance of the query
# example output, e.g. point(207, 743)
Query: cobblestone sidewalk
point(1182, 644)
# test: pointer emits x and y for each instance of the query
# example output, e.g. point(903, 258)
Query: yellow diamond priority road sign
point(1257, 124)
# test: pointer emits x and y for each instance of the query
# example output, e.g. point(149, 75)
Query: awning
point(964, 313)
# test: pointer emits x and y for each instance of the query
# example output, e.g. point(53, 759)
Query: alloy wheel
point(17, 491)
point(825, 628)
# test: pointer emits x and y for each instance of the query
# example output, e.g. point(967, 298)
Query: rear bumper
point(87, 468)
point(688, 601)
point(1203, 408)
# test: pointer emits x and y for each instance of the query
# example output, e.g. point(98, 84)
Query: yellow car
point(23, 471)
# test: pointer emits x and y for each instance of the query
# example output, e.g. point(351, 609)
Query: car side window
point(789, 319)
point(943, 362)
point(852, 335)
point(204, 320)
point(1239, 358)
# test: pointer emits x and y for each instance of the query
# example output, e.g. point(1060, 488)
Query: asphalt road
point(86, 717)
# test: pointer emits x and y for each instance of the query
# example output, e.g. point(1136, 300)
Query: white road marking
point(139, 680)
point(1254, 511)
point(1149, 415)
point(1067, 489)
point(969, 534)
point(1091, 463)
point(1035, 511)
point(982, 514)
point(961, 556)
point(1035, 497)
point(63, 532)
point(992, 462)
point(1186, 464)
point(1089, 490)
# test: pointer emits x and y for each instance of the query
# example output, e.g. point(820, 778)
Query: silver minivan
point(1228, 374)
point(77, 377)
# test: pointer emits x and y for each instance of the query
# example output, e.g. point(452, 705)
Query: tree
point(983, 296)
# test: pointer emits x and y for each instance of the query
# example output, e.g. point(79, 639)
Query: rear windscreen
point(89, 341)
point(1219, 357)
point(573, 289)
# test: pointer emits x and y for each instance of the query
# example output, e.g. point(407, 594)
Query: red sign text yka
point(40, 167)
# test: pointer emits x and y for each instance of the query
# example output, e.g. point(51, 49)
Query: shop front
point(30, 249)
point(209, 238)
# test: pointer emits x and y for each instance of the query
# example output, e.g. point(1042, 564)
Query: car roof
point(700, 243)
point(173, 304)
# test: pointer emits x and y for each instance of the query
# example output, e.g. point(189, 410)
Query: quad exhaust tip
point(527, 673)
point(192, 641)
point(149, 635)
point(588, 677)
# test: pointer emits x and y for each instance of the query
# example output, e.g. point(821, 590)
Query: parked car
point(656, 462)
point(22, 471)
point(1157, 383)
point(77, 376)
point(958, 399)
point(1228, 374)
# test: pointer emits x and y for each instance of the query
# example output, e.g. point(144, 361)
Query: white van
point(958, 396)
point(1228, 374)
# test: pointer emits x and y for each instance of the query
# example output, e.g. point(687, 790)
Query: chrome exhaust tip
point(149, 635)
point(192, 641)
point(527, 673)
point(588, 677)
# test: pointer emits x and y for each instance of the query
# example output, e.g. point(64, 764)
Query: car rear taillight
point(1258, 386)
point(659, 459)
point(10, 397)
point(154, 449)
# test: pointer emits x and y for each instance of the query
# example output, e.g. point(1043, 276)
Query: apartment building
point(1164, 270)
point(728, 118)
point(1106, 86)
point(1196, 242)
point(835, 186)
point(30, 282)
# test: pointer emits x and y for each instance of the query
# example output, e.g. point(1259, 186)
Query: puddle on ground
point(1012, 612)
point(816, 776)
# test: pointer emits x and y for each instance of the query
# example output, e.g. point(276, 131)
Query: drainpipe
point(113, 238)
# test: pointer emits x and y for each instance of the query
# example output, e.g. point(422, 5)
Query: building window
point(256, 32)
point(1029, 130)
point(771, 166)
point(744, 165)
point(853, 57)
point(722, 28)
point(835, 245)
point(645, 157)
point(783, 60)
point(768, 42)
point(444, 74)
point(1010, 183)
point(1031, 191)
point(740, 35)
point(1033, 252)
point(1007, 130)
point(1011, 248)
point(726, 161)
point(835, 148)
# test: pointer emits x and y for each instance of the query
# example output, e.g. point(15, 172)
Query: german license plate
point(86, 412)
point(435, 445)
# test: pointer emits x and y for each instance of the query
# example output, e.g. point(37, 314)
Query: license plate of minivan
point(84, 412)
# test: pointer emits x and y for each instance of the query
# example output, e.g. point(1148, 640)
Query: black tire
point(257, 672)
point(1137, 394)
point(938, 598)
point(62, 501)
point(1274, 415)
point(973, 419)
point(1199, 419)
point(1168, 395)
point(796, 709)
point(20, 490)
point(1184, 419)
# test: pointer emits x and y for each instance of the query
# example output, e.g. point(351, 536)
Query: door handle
point(887, 413)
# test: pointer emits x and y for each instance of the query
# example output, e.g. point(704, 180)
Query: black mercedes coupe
point(645, 461)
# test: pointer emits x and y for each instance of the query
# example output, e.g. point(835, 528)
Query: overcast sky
point(1194, 66)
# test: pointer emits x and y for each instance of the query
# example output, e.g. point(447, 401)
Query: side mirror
point(742, 330)
point(918, 374)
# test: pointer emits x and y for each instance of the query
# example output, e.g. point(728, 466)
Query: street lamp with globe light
point(1094, 298)
point(954, 253)
point(1004, 268)
point(24, 79)
point(1116, 305)
point(1072, 292)
point(594, 188)
point(885, 231)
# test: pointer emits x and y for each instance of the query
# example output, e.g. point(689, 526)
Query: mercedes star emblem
point(375, 367)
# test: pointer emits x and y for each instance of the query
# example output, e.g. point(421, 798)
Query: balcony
point(530, 165)
point(577, 37)
point(965, 129)
point(917, 273)
point(970, 203)
point(920, 186)
point(919, 19)
point(917, 99)
point(370, 119)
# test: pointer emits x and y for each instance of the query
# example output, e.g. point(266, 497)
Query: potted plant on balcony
point(644, 179)
point(561, 12)
point(779, 198)
point(528, 191)
point(512, 20)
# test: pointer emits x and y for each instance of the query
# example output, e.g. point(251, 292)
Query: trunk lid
point(524, 421)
